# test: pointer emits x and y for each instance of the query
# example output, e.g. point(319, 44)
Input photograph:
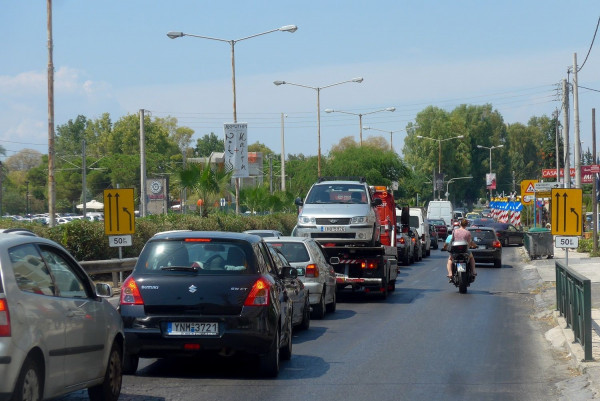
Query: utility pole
point(557, 152)
point(143, 211)
point(567, 156)
point(594, 187)
point(84, 183)
point(282, 155)
point(51, 181)
point(270, 156)
point(577, 147)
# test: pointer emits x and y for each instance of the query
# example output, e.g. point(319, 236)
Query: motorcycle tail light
point(312, 270)
point(130, 293)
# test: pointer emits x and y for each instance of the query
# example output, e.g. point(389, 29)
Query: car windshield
point(337, 193)
point(198, 256)
point(437, 222)
point(294, 252)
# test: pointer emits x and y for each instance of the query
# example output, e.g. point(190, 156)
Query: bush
point(86, 240)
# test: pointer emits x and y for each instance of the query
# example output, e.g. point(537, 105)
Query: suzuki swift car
point(57, 333)
point(194, 292)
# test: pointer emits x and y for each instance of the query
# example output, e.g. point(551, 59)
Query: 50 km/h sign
point(567, 206)
point(119, 211)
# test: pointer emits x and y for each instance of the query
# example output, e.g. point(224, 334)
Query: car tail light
point(368, 264)
point(4, 319)
point(402, 240)
point(311, 271)
point(496, 244)
point(259, 294)
point(130, 293)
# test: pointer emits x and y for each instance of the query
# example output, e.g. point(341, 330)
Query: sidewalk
point(561, 336)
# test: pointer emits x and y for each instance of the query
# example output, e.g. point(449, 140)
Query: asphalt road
point(425, 342)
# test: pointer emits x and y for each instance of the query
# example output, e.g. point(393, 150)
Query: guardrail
point(574, 302)
point(112, 266)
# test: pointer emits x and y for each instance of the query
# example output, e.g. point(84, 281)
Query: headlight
point(359, 220)
point(306, 220)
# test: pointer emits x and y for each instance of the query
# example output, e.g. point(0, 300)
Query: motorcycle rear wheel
point(463, 282)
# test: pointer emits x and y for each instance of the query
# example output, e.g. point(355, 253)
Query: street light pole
point(452, 180)
point(381, 130)
point(490, 149)
point(360, 116)
point(439, 141)
point(318, 89)
point(232, 42)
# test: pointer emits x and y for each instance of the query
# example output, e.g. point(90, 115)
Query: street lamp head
point(500, 146)
point(479, 146)
point(288, 28)
point(364, 127)
point(390, 109)
point(329, 110)
point(358, 80)
point(460, 136)
point(279, 83)
point(174, 35)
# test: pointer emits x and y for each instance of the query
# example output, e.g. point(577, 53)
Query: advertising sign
point(236, 144)
point(490, 180)
point(587, 173)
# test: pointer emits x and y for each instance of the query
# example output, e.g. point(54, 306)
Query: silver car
point(57, 333)
point(314, 271)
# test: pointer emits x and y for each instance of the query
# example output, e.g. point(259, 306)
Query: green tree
point(208, 183)
point(209, 144)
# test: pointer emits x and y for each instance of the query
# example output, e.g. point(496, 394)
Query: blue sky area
point(114, 56)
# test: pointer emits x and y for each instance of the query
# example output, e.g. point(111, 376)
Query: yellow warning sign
point(527, 191)
point(567, 206)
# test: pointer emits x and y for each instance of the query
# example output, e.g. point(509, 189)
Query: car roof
point(288, 239)
point(226, 235)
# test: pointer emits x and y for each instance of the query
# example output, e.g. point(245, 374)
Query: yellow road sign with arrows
point(567, 207)
point(119, 211)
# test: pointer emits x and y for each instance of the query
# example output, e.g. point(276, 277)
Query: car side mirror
point(299, 202)
point(104, 290)
point(334, 260)
point(289, 272)
point(301, 271)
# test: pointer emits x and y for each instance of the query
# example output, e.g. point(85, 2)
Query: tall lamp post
point(360, 116)
point(232, 42)
point(452, 180)
point(318, 89)
point(439, 141)
point(490, 149)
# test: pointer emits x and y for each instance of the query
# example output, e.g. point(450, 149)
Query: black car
point(489, 249)
point(194, 292)
point(482, 222)
point(508, 234)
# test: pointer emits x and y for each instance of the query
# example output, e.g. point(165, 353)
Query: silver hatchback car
point(58, 332)
point(314, 271)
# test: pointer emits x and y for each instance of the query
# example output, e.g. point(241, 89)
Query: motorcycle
point(462, 277)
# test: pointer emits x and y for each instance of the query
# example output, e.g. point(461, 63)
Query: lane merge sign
point(119, 211)
point(567, 207)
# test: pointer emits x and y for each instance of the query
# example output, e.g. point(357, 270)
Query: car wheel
point(332, 306)
point(286, 351)
point(30, 382)
point(428, 253)
point(269, 362)
point(498, 263)
point(110, 388)
point(305, 324)
point(130, 364)
point(406, 258)
point(318, 311)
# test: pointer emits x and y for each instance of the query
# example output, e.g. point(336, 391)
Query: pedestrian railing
point(574, 302)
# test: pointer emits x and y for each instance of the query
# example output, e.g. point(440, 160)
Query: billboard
point(490, 180)
point(236, 145)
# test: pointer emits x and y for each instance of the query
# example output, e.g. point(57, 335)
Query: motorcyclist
point(460, 233)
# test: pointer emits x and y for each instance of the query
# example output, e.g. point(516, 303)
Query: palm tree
point(207, 182)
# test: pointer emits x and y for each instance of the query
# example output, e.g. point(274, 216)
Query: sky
point(113, 56)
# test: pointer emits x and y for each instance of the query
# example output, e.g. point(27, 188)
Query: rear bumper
point(486, 255)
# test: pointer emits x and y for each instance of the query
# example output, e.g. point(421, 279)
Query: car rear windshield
point(482, 234)
point(294, 252)
point(199, 256)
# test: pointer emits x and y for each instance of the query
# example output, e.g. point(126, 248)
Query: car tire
point(269, 363)
point(318, 311)
point(428, 253)
point(305, 324)
point(405, 258)
point(110, 388)
point(498, 263)
point(130, 364)
point(331, 307)
point(30, 381)
point(286, 351)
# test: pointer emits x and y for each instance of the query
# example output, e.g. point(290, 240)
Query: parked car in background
point(195, 292)
point(295, 290)
point(508, 234)
point(440, 227)
point(489, 249)
point(58, 332)
point(314, 270)
point(265, 233)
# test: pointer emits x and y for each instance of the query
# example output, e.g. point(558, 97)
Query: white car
point(57, 333)
point(314, 271)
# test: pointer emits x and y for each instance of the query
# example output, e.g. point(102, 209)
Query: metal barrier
point(574, 302)
point(112, 266)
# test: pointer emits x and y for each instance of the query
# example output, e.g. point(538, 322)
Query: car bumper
point(487, 255)
point(314, 292)
point(350, 234)
point(253, 331)
point(10, 366)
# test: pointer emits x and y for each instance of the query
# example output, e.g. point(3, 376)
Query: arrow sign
point(118, 218)
point(567, 209)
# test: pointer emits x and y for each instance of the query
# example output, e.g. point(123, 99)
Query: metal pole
point(237, 179)
point(143, 204)
point(51, 181)
point(567, 156)
point(319, 132)
point(282, 155)
point(577, 147)
point(594, 187)
point(391, 147)
point(557, 147)
point(360, 128)
point(84, 183)
point(439, 164)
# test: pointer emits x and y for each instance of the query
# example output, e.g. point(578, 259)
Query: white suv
point(57, 334)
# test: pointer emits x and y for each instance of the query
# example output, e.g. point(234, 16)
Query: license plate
point(461, 267)
point(333, 229)
point(480, 246)
point(193, 329)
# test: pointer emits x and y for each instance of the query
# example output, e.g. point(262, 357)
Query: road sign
point(542, 189)
point(566, 242)
point(119, 240)
point(527, 188)
point(567, 209)
point(119, 211)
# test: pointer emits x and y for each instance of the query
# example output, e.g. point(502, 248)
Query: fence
point(574, 302)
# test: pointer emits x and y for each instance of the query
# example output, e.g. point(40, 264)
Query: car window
point(414, 221)
point(68, 284)
point(31, 273)
point(482, 234)
point(279, 261)
point(200, 257)
point(295, 252)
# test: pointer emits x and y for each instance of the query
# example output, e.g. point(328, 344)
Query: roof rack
point(348, 178)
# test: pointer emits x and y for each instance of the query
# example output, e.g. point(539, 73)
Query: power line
point(591, 45)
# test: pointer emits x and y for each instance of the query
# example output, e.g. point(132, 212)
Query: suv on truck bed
point(340, 211)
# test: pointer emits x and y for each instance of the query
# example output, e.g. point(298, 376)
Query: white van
point(441, 210)
point(417, 219)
